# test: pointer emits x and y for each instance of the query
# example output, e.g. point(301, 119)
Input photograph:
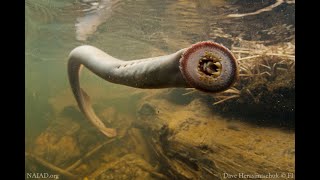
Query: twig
point(268, 8)
point(265, 66)
point(190, 92)
point(208, 170)
point(282, 69)
point(50, 166)
point(259, 54)
point(94, 150)
point(249, 57)
point(267, 73)
point(222, 96)
point(153, 173)
point(232, 90)
point(245, 75)
point(253, 97)
point(284, 55)
point(231, 97)
point(245, 69)
point(242, 51)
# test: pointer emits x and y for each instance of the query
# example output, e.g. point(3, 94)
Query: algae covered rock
point(56, 145)
point(194, 142)
point(130, 166)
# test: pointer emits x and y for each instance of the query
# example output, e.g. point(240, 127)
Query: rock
point(56, 150)
point(130, 166)
point(57, 144)
point(146, 111)
point(147, 117)
point(193, 142)
point(63, 126)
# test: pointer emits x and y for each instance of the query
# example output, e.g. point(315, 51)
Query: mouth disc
point(209, 67)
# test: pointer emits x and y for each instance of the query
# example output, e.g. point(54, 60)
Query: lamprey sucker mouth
point(216, 71)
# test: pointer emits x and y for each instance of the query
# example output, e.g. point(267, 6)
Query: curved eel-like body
point(206, 66)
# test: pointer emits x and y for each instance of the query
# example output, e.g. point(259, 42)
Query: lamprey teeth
point(210, 65)
point(216, 73)
point(218, 64)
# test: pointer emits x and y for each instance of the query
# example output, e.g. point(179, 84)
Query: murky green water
point(134, 29)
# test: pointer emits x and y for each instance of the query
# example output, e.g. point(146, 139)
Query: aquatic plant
point(263, 70)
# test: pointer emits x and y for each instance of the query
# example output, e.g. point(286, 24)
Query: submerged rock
point(146, 110)
point(192, 142)
point(130, 166)
point(57, 144)
point(56, 150)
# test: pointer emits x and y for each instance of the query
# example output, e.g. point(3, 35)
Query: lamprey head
point(209, 67)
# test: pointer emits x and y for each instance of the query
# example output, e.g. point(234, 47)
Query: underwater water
point(163, 133)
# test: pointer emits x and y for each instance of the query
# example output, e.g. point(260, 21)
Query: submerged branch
point(50, 166)
point(90, 153)
point(268, 8)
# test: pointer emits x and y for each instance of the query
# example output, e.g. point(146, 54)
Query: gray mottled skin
point(157, 72)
